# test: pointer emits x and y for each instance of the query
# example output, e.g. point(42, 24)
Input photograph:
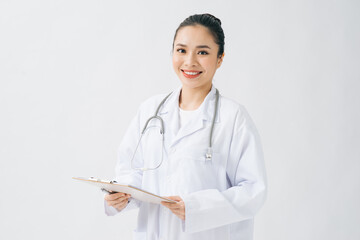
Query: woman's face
point(195, 57)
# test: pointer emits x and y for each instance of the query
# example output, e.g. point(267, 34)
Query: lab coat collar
point(170, 113)
point(206, 108)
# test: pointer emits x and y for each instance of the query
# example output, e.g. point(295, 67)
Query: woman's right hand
point(117, 200)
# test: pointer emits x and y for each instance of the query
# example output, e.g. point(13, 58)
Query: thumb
point(175, 198)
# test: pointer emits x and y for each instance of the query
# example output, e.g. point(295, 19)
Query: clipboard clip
point(94, 179)
point(99, 180)
point(103, 189)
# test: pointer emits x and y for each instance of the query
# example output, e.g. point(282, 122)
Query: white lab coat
point(221, 196)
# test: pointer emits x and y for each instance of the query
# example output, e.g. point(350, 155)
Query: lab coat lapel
point(171, 120)
point(170, 114)
point(204, 114)
point(194, 125)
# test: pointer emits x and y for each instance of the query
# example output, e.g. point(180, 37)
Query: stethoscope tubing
point(208, 154)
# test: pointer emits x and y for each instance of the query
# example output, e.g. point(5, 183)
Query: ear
point(220, 60)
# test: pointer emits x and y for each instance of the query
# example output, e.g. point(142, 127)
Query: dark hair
point(210, 22)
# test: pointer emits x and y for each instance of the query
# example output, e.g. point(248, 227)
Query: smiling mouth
point(191, 74)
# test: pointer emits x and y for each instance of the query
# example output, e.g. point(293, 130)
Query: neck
point(192, 98)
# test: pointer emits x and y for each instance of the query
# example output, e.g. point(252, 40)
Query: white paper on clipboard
point(136, 193)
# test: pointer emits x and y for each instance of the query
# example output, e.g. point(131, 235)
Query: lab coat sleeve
point(124, 172)
point(212, 208)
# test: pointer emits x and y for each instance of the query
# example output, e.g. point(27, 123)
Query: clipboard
point(112, 186)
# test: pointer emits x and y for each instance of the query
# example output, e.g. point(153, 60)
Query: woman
point(211, 162)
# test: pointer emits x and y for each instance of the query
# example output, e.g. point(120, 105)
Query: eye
point(180, 50)
point(203, 53)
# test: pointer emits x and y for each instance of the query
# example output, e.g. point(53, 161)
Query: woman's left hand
point(177, 208)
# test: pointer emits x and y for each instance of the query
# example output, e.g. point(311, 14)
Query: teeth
point(192, 73)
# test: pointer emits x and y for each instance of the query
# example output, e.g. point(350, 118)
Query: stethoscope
point(208, 154)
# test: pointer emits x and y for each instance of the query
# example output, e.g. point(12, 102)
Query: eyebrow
point(199, 46)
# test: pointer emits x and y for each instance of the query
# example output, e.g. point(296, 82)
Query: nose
point(191, 59)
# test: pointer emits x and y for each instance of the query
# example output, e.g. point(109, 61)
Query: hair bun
point(214, 18)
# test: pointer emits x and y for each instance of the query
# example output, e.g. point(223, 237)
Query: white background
point(73, 73)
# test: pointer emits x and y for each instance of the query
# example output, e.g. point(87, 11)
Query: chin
point(190, 83)
point(193, 85)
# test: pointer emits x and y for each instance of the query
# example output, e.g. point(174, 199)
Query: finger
point(179, 214)
point(176, 209)
point(118, 200)
point(120, 204)
point(112, 202)
point(175, 203)
point(172, 206)
point(166, 204)
point(121, 195)
point(175, 198)
point(115, 196)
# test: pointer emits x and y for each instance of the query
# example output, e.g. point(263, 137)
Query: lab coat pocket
point(199, 173)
